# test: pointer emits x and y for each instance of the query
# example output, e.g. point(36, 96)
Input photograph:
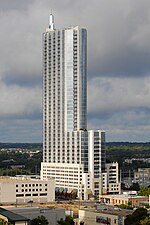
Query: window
point(35, 194)
point(96, 185)
point(43, 194)
point(27, 194)
point(20, 195)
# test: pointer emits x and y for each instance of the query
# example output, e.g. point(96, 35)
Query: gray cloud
point(113, 94)
point(118, 64)
point(120, 106)
point(21, 130)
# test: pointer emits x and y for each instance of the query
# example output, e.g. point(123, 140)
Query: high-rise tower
point(64, 87)
point(74, 156)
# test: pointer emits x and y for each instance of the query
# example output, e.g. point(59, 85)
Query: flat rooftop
point(21, 179)
point(110, 211)
point(122, 196)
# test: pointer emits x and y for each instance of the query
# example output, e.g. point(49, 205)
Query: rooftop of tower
point(51, 26)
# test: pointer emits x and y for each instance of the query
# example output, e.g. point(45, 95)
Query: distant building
point(22, 190)
point(142, 176)
point(111, 184)
point(103, 216)
point(127, 181)
point(134, 200)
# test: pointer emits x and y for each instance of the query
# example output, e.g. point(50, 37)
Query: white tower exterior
point(72, 155)
point(64, 91)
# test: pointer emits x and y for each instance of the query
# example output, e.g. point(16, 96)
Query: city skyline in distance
point(118, 66)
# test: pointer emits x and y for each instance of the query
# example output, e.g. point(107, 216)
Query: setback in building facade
point(73, 155)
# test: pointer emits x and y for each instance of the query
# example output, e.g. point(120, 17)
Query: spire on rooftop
point(51, 22)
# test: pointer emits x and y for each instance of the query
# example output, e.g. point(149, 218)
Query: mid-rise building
point(22, 190)
point(111, 183)
point(86, 176)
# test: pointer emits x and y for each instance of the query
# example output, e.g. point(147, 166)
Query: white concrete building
point(112, 179)
point(85, 176)
point(72, 155)
point(22, 190)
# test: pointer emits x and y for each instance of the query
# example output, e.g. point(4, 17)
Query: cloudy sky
point(118, 65)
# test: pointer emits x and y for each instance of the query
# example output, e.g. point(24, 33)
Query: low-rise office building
point(23, 189)
point(134, 200)
point(103, 216)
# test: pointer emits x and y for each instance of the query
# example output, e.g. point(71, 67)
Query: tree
point(146, 221)
point(40, 220)
point(135, 218)
point(135, 187)
point(124, 206)
point(67, 221)
point(144, 191)
point(3, 222)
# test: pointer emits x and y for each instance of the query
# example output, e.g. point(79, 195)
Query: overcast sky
point(118, 65)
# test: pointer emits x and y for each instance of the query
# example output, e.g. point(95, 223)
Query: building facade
point(22, 190)
point(84, 176)
point(72, 155)
point(111, 183)
point(134, 200)
point(64, 93)
point(100, 216)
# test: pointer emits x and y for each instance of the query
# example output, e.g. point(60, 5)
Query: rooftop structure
point(12, 217)
point(52, 215)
